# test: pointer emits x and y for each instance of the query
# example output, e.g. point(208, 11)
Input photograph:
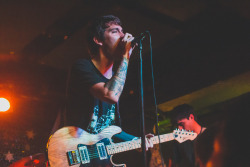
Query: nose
point(121, 34)
point(180, 127)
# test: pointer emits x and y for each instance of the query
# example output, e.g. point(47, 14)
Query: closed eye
point(116, 30)
point(180, 124)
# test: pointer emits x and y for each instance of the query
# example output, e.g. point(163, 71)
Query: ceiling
point(195, 44)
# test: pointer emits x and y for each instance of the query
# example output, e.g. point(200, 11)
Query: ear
point(191, 116)
point(97, 41)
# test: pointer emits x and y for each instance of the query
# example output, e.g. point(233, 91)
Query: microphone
point(136, 40)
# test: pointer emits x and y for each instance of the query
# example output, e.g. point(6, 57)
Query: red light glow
point(36, 161)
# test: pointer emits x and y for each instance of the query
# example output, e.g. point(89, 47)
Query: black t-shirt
point(183, 154)
point(82, 109)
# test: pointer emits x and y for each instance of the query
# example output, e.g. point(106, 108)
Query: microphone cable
point(155, 103)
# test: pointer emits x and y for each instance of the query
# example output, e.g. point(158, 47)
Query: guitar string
point(116, 148)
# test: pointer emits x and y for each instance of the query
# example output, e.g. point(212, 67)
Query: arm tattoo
point(117, 82)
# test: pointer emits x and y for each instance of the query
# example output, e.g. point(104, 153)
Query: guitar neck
point(135, 144)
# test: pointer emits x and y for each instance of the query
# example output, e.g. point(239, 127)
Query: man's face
point(112, 36)
point(185, 123)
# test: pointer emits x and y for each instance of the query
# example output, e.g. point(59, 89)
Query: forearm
point(116, 83)
point(123, 136)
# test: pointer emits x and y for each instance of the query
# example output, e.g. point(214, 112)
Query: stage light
point(4, 105)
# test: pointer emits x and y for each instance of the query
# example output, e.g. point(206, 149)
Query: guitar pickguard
point(96, 154)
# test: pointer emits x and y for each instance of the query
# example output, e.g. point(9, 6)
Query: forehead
point(113, 26)
point(182, 120)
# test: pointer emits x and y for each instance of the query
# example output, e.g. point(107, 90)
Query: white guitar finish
point(67, 139)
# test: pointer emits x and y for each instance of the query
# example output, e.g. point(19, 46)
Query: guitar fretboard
point(134, 144)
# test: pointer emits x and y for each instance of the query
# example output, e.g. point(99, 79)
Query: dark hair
point(97, 29)
point(180, 112)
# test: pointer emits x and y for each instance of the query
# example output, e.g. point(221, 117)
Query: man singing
point(94, 88)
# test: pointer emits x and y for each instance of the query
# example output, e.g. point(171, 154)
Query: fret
point(125, 146)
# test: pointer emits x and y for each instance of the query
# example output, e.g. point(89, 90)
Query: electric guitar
point(72, 146)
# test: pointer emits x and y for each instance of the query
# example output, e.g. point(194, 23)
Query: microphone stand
point(143, 140)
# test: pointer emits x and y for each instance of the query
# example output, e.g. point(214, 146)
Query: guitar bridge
point(73, 157)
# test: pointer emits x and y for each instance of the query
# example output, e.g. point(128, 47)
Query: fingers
point(149, 143)
point(126, 43)
point(128, 38)
point(150, 135)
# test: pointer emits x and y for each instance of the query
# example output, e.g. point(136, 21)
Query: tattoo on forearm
point(117, 82)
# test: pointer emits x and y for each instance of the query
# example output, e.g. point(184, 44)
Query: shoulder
point(82, 64)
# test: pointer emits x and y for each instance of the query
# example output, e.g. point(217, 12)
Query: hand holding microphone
point(136, 40)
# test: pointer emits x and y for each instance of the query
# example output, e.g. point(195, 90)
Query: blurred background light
point(4, 104)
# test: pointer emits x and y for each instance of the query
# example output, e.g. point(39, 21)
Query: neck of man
point(197, 128)
point(104, 64)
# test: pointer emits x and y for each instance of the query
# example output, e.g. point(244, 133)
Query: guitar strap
point(60, 120)
point(118, 116)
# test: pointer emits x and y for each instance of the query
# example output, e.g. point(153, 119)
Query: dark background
point(199, 48)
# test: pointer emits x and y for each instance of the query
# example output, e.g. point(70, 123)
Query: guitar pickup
point(73, 157)
point(84, 154)
point(101, 151)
